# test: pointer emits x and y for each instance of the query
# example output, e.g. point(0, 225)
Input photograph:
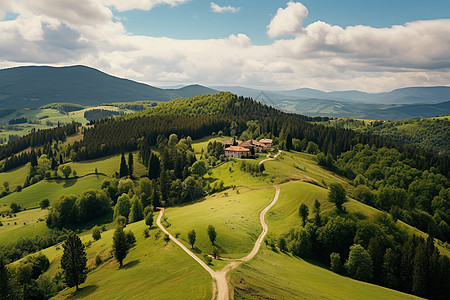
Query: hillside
point(432, 134)
point(33, 86)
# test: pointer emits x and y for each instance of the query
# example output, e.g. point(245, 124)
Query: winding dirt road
point(220, 282)
point(270, 158)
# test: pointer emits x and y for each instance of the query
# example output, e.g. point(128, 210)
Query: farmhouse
point(267, 143)
point(237, 152)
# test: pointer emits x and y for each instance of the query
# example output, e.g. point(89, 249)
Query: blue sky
point(195, 20)
point(372, 46)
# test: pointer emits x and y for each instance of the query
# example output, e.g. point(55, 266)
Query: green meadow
point(152, 270)
point(233, 213)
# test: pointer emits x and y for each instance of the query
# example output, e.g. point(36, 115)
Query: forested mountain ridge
point(35, 86)
point(431, 134)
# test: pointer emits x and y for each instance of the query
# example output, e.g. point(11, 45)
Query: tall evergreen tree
point(73, 261)
point(419, 276)
point(288, 141)
point(154, 166)
point(123, 170)
point(4, 279)
point(136, 211)
point(120, 245)
point(33, 159)
point(130, 165)
point(303, 211)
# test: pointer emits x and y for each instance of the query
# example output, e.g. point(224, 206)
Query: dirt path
point(220, 282)
point(270, 158)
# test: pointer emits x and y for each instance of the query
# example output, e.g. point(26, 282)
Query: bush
point(98, 260)
point(44, 203)
point(14, 207)
point(215, 252)
point(208, 259)
point(96, 235)
point(335, 262)
point(131, 239)
point(146, 233)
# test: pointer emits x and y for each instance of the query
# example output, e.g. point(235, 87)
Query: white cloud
point(288, 21)
point(124, 5)
point(318, 56)
point(222, 9)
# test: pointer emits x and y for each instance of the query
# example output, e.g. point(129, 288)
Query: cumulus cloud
point(222, 9)
point(318, 55)
point(288, 21)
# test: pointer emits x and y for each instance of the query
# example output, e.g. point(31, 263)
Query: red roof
point(265, 141)
point(237, 149)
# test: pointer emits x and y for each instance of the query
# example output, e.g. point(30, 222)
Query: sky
point(371, 46)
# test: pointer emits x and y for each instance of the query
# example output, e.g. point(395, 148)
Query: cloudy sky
point(325, 44)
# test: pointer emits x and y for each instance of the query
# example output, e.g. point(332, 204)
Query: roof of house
point(227, 143)
point(246, 144)
point(265, 141)
point(237, 149)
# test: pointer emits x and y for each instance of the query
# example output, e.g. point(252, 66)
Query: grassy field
point(50, 189)
point(14, 177)
point(29, 223)
point(273, 275)
point(152, 270)
point(108, 166)
point(234, 214)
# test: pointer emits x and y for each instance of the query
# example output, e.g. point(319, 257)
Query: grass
point(234, 216)
point(14, 177)
point(107, 165)
point(152, 270)
point(273, 275)
point(51, 189)
point(35, 225)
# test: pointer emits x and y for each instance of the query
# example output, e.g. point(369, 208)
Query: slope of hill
point(431, 134)
point(35, 86)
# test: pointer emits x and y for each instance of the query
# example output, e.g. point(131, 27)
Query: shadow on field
point(131, 264)
point(83, 292)
point(70, 182)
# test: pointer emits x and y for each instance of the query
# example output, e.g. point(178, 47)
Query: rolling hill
point(35, 86)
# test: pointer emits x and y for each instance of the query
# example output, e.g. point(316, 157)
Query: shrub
point(146, 232)
point(98, 260)
point(96, 235)
point(131, 239)
point(44, 203)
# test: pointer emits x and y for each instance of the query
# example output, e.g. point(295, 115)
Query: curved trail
point(270, 158)
point(220, 282)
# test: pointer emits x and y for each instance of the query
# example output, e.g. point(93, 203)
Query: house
point(257, 146)
point(237, 152)
point(227, 144)
point(267, 143)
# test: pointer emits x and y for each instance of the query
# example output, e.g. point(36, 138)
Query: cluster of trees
point(252, 168)
point(99, 114)
point(70, 209)
point(388, 180)
point(25, 280)
point(27, 245)
point(17, 121)
point(38, 138)
point(373, 249)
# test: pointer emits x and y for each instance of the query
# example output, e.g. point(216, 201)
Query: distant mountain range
point(35, 86)
point(402, 103)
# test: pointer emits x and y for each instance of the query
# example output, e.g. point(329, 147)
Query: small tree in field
point(303, 212)
point(96, 233)
point(215, 252)
point(73, 261)
point(192, 236)
point(120, 245)
point(337, 195)
point(149, 219)
point(66, 170)
point(212, 234)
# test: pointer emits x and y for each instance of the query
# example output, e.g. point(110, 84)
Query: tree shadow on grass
point(131, 264)
point(84, 291)
point(70, 182)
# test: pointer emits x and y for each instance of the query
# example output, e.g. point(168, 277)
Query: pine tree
point(120, 245)
point(136, 211)
point(289, 141)
point(303, 211)
point(4, 280)
point(130, 165)
point(33, 159)
point(123, 171)
point(154, 166)
point(419, 276)
point(73, 261)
